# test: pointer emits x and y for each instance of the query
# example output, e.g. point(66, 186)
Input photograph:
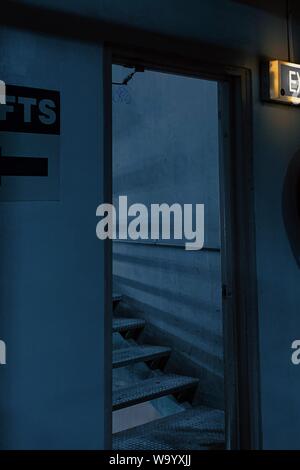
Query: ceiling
point(277, 7)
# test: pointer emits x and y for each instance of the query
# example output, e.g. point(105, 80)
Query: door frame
point(239, 292)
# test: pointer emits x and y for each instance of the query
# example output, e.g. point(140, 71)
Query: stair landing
point(198, 428)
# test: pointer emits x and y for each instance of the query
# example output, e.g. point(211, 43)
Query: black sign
point(31, 110)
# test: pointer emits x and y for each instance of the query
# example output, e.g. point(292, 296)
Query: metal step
point(121, 325)
point(152, 388)
point(125, 356)
point(116, 298)
point(198, 428)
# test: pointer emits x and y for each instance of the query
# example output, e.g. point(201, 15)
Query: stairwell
point(139, 377)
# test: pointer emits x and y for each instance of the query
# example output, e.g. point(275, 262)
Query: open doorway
point(171, 385)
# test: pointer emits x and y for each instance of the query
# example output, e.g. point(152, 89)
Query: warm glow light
point(284, 82)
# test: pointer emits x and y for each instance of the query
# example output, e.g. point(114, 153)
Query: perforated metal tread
point(198, 428)
point(121, 325)
point(116, 297)
point(123, 357)
point(150, 389)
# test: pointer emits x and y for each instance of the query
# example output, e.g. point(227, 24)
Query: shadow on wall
point(291, 205)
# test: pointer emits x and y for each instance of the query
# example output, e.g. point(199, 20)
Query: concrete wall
point(51, 291)
point(165, 149)
point(253, 34)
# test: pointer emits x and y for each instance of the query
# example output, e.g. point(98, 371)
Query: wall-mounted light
point(281, 82)
point(129, 77)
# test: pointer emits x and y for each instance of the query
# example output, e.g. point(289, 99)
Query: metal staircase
point(126, 356)
point(192, 428)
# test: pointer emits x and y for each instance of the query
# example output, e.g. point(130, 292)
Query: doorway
point(171, 129)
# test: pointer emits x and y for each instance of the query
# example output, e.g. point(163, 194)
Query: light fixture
point(280, 80)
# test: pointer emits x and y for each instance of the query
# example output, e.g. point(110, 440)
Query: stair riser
point(154, 361)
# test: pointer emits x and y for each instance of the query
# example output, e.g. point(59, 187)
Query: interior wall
point(252, 35)
point(165, 150)
point(52, 279)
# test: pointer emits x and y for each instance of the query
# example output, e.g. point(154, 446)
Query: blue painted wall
point(276, 137)
point(51, 301)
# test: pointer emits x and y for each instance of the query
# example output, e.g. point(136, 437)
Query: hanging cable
point(289, 32)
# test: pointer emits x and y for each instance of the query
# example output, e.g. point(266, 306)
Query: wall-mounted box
point(280, 82)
